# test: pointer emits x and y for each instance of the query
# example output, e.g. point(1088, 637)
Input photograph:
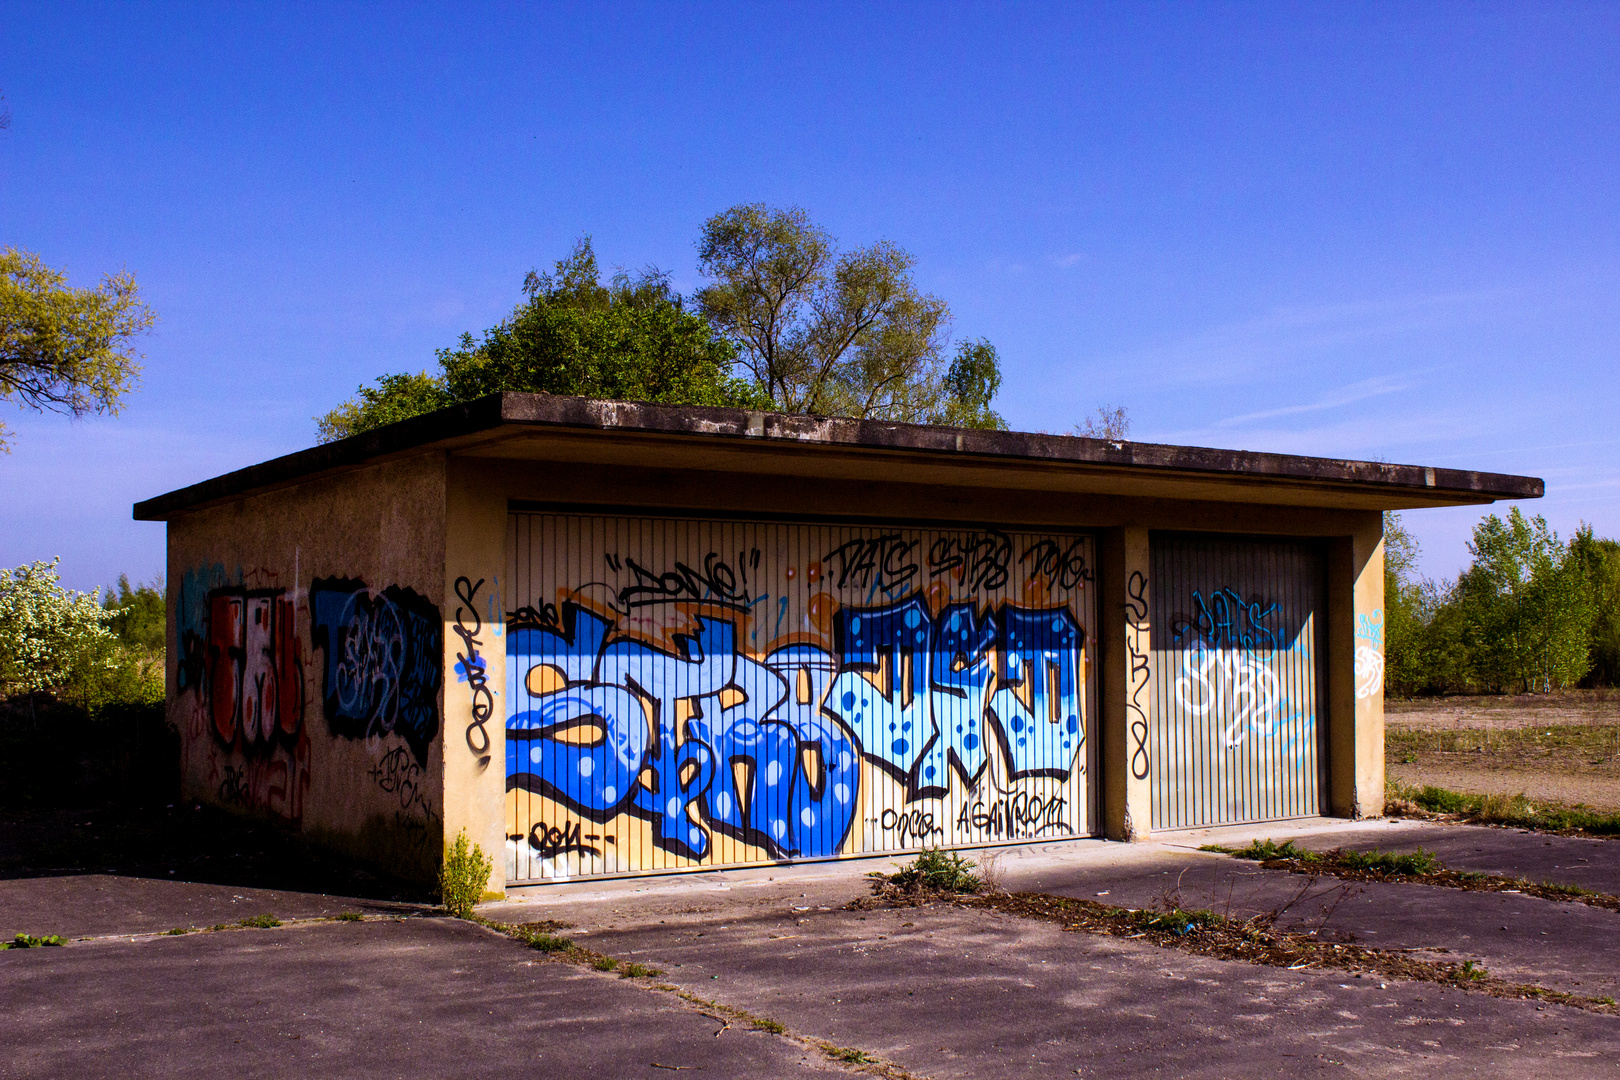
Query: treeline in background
point(1530, 614)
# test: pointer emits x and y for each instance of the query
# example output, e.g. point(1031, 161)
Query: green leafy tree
point(1524, 604)
point(395, 397)
point(1404, 610)
point(838, 333)
point(629, 339)
point(1599, 562)
point(63, 349)
point(51, 638)
point(137, 613)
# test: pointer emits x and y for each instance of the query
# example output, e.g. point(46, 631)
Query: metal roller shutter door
point(1238, 666)
point(693, 693)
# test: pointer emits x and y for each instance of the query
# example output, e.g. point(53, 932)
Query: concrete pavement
point(941, 991)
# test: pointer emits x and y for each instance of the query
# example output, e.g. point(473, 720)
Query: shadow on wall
point(247, 676)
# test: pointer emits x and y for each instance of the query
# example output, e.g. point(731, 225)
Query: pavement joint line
point(220, 928)
point(1293, 952)
point(565, 951)
point(1328, 863)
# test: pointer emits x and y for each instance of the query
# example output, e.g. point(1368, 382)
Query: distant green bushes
point(1529, 614)
point(80, 648)
point(81, 692)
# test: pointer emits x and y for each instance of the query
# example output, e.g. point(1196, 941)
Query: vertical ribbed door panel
point(688, 693)
point(1238, 670)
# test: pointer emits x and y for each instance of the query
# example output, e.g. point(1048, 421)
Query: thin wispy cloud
point(1236, 352)
point(1348, 395)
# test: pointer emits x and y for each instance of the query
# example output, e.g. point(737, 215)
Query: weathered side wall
point(306, 665)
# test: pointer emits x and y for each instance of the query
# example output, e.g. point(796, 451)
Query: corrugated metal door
point(1237, 670)
point(685, 693)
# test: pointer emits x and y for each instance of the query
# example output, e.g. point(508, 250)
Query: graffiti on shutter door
point(1236, 662)
point(696, 693)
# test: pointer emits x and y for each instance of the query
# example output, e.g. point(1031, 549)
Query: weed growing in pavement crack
point(1420, 867)
point(349, 916)
point(463, 876)
point(29, 941)
point(260, 922)
point(1257, 941)
point(938, 870)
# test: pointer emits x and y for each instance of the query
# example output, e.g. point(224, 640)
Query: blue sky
point(1361, 230)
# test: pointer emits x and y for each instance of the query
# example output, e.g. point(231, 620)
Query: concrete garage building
point(609, 638)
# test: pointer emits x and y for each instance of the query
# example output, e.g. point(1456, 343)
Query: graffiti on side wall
point(246, 675)
point(1369, 653)
point(241, 667)
point(384, 655)
point(803, 694)
point(1138, 633)
point(470, 667)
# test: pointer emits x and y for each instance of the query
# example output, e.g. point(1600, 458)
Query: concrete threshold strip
point(1419, 868)
point(542, 936)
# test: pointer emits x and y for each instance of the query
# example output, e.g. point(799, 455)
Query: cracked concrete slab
point(419, 997)
point(952, 992)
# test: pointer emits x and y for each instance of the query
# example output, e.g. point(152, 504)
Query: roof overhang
point(545, 427)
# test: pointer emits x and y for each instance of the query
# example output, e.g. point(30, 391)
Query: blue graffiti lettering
point(635, 727)
point(384, 661)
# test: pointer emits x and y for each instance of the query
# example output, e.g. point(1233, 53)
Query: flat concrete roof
point(546, 427)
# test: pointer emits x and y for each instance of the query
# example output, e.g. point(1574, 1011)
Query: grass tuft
point(1415, 864)
point(463, 876)
point(1263, 850)
point(940, 870)
point(548, 943)
point(604, 963)
point(261, 922)
point(349, 916)
point(765, 1023)
point(1512, 811)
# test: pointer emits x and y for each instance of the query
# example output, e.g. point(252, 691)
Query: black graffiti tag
point(911, 824)
point(718, 580)
point(1136, 609)
point(1015, 816)
point(549, 841)
point(471, 665)
point(889, 557)
point(1064, 567)
point(976, 560)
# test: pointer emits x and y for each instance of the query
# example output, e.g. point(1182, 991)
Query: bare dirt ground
point(1559, 747)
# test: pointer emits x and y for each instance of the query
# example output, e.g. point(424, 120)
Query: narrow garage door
point(1236, 637)
point(685, 694)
